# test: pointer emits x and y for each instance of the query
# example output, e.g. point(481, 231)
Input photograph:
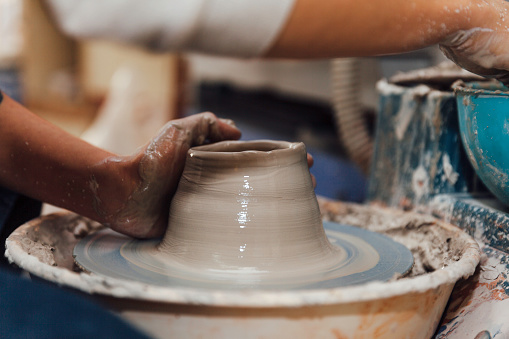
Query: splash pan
point(362, 256)
point(407, 307)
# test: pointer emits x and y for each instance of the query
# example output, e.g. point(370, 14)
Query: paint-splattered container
point(418, 151)
point(483, 112)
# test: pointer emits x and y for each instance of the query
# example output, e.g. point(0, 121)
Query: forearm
point(347, 28)
point(283, 28)
point(44, 162)
point(130, 194)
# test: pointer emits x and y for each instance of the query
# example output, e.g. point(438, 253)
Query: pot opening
point(246, 146)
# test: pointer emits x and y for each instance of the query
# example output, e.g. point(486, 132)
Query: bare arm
point(473, 33)
point(44, 162)
point(335, 28)
point(129, 194)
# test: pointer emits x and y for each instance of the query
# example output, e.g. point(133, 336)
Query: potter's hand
point(156, 170)
point(483, 50)
point(310, 164)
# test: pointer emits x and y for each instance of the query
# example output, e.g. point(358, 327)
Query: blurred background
point(117, 96)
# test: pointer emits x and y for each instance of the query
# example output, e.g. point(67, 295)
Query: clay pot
point(246, 213)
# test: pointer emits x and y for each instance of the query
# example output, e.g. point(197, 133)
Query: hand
point(310, 164)
point(483, 50)
point(153, 174)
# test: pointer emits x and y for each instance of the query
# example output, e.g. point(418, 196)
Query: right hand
point(483, 50)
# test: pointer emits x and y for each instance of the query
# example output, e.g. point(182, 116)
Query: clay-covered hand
point(154, 172)
point(483, 50)
point(311, 161)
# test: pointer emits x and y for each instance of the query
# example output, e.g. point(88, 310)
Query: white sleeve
point(243, 28)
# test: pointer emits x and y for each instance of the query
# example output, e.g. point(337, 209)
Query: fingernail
point(228, 122)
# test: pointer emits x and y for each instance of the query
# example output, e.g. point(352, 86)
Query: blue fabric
point(10, 83)
point(37, 310)
point(7, 200)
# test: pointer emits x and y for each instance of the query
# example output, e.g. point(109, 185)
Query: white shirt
point(241, 28)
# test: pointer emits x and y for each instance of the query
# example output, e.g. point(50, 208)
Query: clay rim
point(94, 284)
point(478, 88)
point(244, 150)
point(443, 74)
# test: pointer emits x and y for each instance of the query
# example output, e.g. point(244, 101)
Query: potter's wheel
point(408, 307)
point(363, 256)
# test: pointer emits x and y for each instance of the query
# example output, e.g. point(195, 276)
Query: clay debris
point(433, 247)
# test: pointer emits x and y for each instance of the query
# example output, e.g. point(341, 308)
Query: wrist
point(111, 184)
point(470, 19)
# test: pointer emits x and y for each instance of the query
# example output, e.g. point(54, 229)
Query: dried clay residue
point(433, 247)
point(52, 242)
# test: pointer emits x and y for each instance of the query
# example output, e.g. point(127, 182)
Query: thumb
point(206, 127)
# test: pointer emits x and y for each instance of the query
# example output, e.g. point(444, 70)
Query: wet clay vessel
point(245, 216)
point(249, 208)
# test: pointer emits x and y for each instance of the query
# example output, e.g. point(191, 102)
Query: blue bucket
point(483, 112)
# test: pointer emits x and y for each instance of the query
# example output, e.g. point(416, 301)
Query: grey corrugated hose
point(349, 116)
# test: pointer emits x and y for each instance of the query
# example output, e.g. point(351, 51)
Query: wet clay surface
point(433, 246)
point(53, 240)
point(245, 213)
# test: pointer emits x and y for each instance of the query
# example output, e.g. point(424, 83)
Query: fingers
point(158, 168)
point(228, 129)
point(481, 51)
point(310, 159)
point(207, 127)
point(504, 79)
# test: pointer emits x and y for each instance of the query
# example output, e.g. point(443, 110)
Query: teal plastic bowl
point(483, 110)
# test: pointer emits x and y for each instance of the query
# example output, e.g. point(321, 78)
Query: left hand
point(153, 174)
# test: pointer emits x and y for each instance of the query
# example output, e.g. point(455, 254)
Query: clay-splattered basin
point(483, 110)
point(409, 307)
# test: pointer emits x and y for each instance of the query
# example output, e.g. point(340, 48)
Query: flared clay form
point(250, 208)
